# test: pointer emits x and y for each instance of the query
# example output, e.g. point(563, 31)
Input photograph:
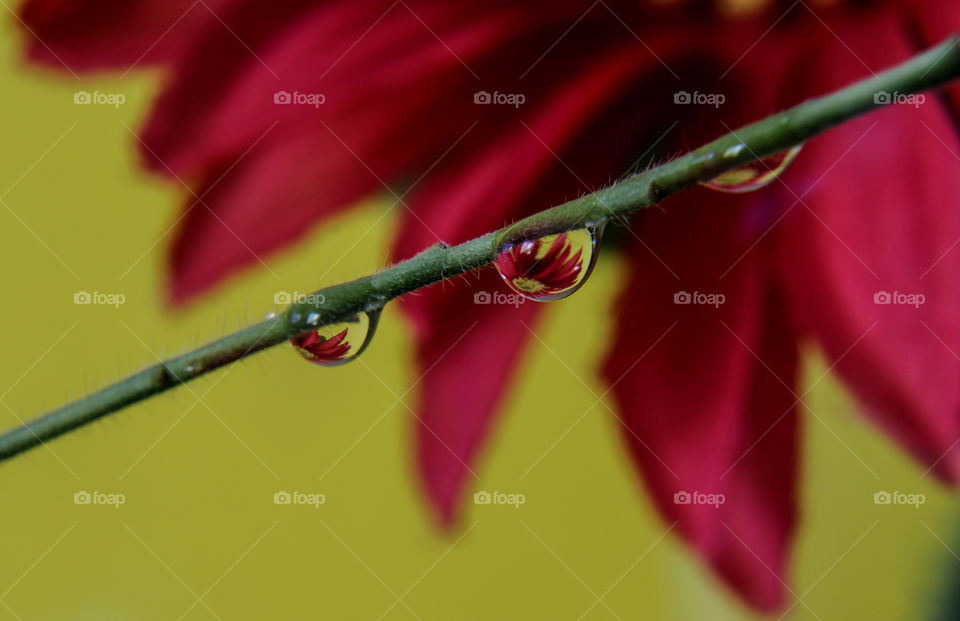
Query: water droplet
point(337, 343)
point(551, 267)
point(754, 175)
point(189, 368)
point(313, 318)
point(735, 150)
point(294, 317)
point(270, 315)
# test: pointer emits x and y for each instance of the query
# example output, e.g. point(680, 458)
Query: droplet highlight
point(552, 267)
point(735, 150)
point(337, 343)
point(754, 175)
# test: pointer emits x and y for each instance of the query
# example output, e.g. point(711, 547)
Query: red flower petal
point(223, 96)
point(882, 217)
point(705, 392)
point(98, 34)
point(322, 351)
point(270, 198)
point(464, 379)
point(312, 161)
point(467, 358)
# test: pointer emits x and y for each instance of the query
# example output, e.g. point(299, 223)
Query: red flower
point(320, 350)
point(557, 270)
point(706, 394)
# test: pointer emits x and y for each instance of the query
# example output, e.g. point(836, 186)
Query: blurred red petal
point(467, 359)
point(467, 351)
point(99, 34)
point(879, 218)
point(705, 392)
point(269, 198)
point(305, 166)
point(365, 58)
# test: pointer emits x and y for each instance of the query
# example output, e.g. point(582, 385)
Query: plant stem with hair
point(440, 262)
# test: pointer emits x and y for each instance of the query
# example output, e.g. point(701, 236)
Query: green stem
point(771, 135)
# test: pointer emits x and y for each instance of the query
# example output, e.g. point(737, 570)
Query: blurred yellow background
point(199, 536)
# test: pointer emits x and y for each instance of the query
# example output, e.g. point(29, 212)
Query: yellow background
point(199, 533)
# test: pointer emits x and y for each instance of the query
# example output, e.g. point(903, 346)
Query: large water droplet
point(337, 343)
point(754, 175)
point(551, 267)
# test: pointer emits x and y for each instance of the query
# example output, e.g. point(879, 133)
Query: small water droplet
point(703, 158)
point(270, 315)
point(754, 175)
point(294, 317)
point(735, 150)
point(337, 343)
point(551, 267)
point(189, 368)
point(313, 318)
